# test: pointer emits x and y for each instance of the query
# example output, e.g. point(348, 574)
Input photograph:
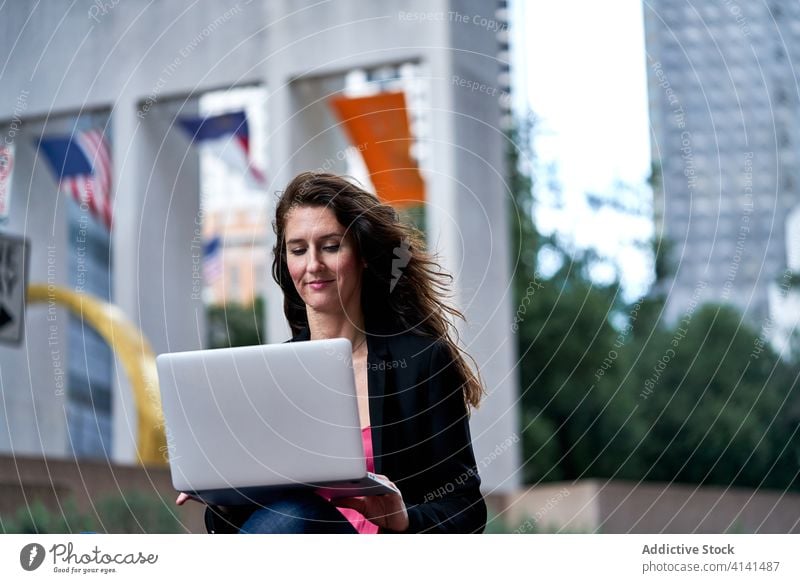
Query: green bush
point(37, 519)
point(136, 512)
point(133, 513)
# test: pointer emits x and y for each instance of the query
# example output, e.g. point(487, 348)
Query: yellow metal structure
point(133, 351)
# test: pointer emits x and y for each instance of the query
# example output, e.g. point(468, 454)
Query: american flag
point(81, 164)
point(228, 137)
point(212, 260)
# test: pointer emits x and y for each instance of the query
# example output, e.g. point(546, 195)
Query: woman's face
point(323, 262)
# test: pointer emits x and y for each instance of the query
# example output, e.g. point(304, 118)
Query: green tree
point(610, 390)
point(564, 333)
point(720, 409)
point(236, 324)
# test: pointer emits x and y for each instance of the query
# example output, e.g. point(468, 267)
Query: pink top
point(361, 524)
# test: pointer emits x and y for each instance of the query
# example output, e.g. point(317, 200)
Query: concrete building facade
point(140, 64)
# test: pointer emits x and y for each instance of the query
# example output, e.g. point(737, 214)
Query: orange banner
point(378, 126)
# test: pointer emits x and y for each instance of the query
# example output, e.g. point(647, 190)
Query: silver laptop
point(241, 422)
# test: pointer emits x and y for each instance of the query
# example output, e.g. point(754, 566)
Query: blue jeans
point(296, 512)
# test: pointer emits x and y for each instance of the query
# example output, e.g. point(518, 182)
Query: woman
point(349, 269)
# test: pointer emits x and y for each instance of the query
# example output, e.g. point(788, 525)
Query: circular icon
point(31, 556)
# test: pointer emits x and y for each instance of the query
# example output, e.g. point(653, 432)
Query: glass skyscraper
point(725, 121)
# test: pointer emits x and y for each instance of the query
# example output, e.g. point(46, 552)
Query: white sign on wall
point(6, 172)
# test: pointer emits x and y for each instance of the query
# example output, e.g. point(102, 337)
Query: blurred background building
point(724, 114)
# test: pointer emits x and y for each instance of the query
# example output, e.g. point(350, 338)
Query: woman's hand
point(387, 511)
point(183, 497)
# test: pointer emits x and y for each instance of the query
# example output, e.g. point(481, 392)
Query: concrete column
point(158, 243)
point(304, 136)
point(127, 200)
point(33, 375)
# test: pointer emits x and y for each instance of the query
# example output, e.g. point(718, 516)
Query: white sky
point(580, 65)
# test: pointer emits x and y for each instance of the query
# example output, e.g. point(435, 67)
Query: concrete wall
point(583, 507)
point(24, 481)
point(648, 508)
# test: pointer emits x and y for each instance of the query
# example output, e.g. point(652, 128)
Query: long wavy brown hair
point(403, 287)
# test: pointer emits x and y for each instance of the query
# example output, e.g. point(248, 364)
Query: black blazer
point(420, 432)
